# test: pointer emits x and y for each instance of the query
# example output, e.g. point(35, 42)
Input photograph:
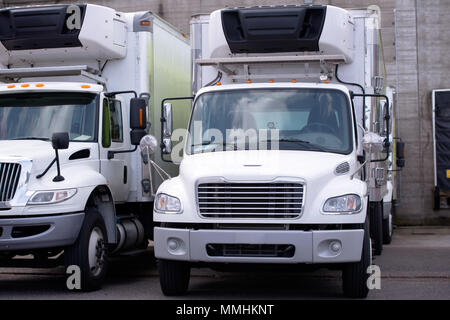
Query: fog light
point(335, 246)
point(173, 244)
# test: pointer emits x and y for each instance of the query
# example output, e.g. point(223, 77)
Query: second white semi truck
point(289, 153)
point(80, 86)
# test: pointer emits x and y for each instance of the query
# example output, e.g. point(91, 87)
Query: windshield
point(285, 119)
point(39, 115)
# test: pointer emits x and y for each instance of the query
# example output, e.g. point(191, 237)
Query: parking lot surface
point(415, 266)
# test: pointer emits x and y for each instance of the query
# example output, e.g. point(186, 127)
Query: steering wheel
point(319, 127)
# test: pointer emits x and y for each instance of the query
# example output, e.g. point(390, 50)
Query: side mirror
point(60, 140)
point(400, 153)
point(136, 135)
point(149, 143)
point(381, 118)
point(138, 120)
point(138, 113)
point(168, 123)
point(373, 142)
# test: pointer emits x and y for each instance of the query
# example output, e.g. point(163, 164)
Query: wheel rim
point(96, 251)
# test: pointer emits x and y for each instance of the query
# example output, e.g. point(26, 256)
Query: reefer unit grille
point(9, 180)
point(250, 200)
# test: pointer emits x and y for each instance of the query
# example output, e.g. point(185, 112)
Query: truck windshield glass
point(39, 115)
point(285, 119)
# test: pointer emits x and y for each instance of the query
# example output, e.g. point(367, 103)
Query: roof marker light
point(219, 83)
point(294, 80)
point(11, 86)
point(85, 86)
point(39, 85)
point(249, 81)
point(271, 81)
point(25, 85)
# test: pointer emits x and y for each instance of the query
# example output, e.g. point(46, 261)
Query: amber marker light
point(25, 85)
point(145, 23)
point(39, 85)
point(85, 86)
point(11, 86)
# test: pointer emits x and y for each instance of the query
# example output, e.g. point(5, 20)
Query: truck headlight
point(167, 204)
point(50, 197)
point(348, 204)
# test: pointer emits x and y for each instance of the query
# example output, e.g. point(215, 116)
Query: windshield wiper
point(207, 143)
point(32, 138)
point(310, 145)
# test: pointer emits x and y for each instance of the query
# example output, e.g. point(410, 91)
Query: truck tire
point(388, 228)
point(90, 252)
point(354, 275)
point(174, 277)
point(376, 226)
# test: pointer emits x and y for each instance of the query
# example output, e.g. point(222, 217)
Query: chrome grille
point(250, 200)
point(9, 180)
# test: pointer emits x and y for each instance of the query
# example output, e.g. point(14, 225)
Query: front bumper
point(310, 246)
point(62, 230)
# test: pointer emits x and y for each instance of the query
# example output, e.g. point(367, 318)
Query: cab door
point(112, 138)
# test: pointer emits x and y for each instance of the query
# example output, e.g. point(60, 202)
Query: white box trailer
point(93, 76)
point(289, 149)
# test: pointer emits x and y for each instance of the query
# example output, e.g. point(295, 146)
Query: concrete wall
point(416, 38)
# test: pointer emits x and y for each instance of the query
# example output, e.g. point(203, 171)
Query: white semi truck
point(288, 156)
point(79, 89)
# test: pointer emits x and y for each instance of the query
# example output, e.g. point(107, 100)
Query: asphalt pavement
point(415, 266)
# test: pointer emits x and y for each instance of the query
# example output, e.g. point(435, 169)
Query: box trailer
point(81, 85)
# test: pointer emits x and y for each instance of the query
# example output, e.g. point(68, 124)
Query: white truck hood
point(40, 152)
point(262, 165)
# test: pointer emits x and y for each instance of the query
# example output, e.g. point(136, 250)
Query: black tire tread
point(354, 275)
point(387, 238)
point(174, 277)
point(75, 255)
point(376, 226)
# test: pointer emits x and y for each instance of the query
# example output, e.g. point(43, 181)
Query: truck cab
point(279, 161)
point(78, 86)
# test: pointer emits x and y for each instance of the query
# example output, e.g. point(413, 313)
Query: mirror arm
point(352, 176)
point(113, 93)
point(46, 170)
point(112, 153)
